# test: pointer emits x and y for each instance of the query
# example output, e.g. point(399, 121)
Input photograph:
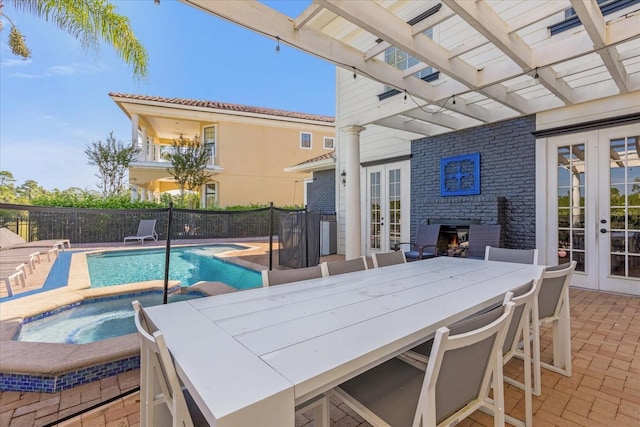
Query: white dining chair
point(163, 401)
point(553, 308)
point(455, 383)
point(341, 267)
point(384, 259)
point(518, 331)
point(522, 256)
point(279, 277)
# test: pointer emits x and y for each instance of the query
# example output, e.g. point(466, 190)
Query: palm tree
point(86, 20)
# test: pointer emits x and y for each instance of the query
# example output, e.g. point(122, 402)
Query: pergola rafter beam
point(264, 20)
point(487, 22)
point(591, 17)
point(376, 20)
point(413, 126)
point(306, 16)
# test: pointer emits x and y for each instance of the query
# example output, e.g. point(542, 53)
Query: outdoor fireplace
point(453, 232)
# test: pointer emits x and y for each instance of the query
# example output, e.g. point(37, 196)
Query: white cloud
point(15, 62)
point(64, 70)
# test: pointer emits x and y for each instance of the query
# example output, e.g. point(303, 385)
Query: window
point(209, 142)
point(211, 195)
point(607, 7)
point(402, 60)
point(305, 140)
point(328, 143)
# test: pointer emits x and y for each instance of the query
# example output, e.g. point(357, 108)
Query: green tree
point(29, 190)
point(112, 159)
point(86, 20)
point(7, 188)
point(188, 160)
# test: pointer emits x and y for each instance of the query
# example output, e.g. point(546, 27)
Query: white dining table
point(249, 357)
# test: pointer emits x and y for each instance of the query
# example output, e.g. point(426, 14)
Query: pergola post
point(353, 245)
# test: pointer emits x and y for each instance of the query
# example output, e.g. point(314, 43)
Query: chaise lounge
point(146, 230)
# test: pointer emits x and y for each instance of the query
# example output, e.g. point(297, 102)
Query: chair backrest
point(8, 238)
point(554, 288)
point(427, 235)
point(278, 277)
point(156, 360)
point(147, 227)
point(462, 363)
point(341, 267)
point(524, 299)
point(481, 236)
point(521, 256)
point(389, 258)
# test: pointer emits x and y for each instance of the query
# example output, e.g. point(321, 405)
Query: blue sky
point(56, 103)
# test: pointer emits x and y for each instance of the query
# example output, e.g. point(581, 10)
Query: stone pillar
point(353, 227)
point(134, 130)
point(134, 192)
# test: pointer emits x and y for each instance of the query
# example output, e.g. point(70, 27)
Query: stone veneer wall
point(507, 179)
point(321, 192)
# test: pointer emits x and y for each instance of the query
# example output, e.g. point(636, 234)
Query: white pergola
point(504, 62)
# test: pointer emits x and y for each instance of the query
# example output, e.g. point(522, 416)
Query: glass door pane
point(375, 209)
point(394, 207)
point(624, 207)
point(571, 207)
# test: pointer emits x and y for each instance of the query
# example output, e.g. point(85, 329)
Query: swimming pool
point(93, 319)
point(188, 264)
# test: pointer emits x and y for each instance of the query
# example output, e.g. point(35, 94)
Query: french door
point(387, 201)
point(594, 207)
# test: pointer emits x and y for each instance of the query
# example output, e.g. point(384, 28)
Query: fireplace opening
point(453, 233)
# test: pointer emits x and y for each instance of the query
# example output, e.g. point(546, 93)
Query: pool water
point(189, 265)
point(93, 320)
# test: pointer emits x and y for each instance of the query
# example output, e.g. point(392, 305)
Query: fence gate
point(299, 234)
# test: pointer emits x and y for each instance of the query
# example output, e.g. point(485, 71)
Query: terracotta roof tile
point(225, 106)
point(331, 155)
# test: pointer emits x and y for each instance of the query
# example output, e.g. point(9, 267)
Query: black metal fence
point(111, 225)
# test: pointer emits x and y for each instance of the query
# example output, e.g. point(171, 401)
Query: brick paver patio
point(604, 389)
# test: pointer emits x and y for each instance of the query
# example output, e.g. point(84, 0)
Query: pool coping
point(19, 359)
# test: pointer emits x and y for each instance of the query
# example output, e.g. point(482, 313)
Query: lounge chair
point(16, 276)
point(146, 230)
point(11, 240)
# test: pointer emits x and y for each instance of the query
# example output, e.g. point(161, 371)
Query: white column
point(144, 150)
point(134, 130)
point(353, 238)
point(143, 194)
point(134, 192)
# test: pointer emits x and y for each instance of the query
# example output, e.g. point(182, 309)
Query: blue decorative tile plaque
point(460, 175)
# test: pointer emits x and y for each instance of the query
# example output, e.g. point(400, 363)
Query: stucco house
point(249, 148)
point(520, 113)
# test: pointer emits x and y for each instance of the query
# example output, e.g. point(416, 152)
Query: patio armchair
point(341, 267)
point(146, 230)
point(389, 258)
point(455, 382)
point(425, 244)
point(278, 277)
point(481, 236)
point(522, 256)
